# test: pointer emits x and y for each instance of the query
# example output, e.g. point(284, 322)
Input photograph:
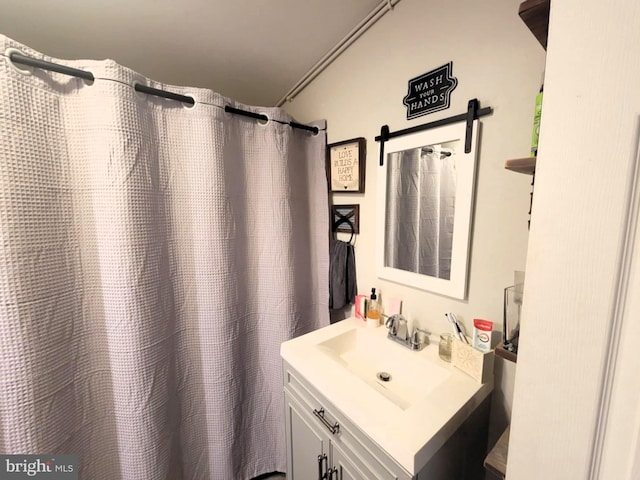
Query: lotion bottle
point(373, 310)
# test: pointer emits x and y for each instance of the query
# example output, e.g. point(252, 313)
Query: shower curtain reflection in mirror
point(421, 194)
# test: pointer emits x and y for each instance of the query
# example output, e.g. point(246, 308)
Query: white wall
point(497, 60)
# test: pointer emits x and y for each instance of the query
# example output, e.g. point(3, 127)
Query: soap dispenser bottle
point(373, 310)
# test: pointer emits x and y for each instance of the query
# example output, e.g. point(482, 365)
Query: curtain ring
point(389, 5)
point(25, 70)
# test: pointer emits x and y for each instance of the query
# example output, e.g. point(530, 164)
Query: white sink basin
point(413, 414)
point(372, 358)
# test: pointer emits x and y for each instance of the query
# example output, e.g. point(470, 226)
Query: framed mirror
point(425, 204)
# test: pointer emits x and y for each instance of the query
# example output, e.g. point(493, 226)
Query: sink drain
point(384, 376)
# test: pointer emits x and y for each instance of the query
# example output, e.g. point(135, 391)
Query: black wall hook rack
point(346, 219)
point(473, 112)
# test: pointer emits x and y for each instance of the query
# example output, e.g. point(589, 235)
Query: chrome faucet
point(416, 342)
point(399, 332)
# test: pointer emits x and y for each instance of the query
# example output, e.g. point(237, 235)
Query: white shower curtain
point(152, 259)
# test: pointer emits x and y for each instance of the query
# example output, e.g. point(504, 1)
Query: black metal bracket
point(384, 136)
point(473, 112)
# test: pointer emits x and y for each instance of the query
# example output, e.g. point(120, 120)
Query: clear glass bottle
point(444, 347)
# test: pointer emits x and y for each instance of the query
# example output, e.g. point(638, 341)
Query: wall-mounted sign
point(430, 91)
point(345, 165)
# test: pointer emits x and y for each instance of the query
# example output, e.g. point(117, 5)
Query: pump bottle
point(373, 310)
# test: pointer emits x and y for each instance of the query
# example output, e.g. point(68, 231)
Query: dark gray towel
point(342, 275)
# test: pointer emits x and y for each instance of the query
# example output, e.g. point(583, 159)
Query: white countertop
point(412, 435)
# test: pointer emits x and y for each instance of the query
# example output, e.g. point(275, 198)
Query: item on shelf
point(537, 114)
point(511, 317)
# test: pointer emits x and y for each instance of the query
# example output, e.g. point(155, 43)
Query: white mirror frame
point(456, 286)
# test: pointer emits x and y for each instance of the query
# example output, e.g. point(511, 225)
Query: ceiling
point(253, 51)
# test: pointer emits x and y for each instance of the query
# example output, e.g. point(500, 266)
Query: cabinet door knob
point(335, 428)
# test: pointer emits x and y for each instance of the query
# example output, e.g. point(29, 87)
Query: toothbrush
point(461, 334)
point(460, 329)
point(455, 330)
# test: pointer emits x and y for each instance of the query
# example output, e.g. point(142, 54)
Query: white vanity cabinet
point(322, 443)
point(422, 420)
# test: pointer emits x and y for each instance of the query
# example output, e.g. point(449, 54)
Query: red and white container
point(482, 334)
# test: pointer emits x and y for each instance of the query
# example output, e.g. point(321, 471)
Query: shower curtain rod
point(16, 57)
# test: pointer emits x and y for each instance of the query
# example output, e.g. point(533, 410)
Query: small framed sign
point(345, 165)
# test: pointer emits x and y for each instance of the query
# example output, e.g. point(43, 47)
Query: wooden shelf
point(521, 165)
point(496, 461)
point(535, 14)
point(500, 351)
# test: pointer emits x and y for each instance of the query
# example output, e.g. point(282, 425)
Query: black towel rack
point(345, 214)
point(342, 220)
